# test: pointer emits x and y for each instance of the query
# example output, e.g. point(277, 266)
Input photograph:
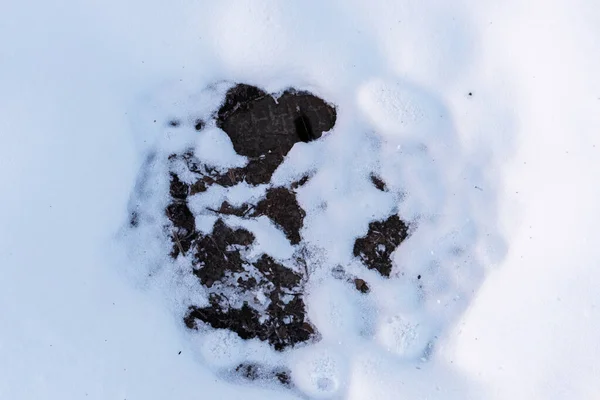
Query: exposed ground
point(262, 297)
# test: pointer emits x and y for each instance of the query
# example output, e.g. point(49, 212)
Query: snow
point(321, 372)
point(215, 147)
point(533, 330)
point(499, 185)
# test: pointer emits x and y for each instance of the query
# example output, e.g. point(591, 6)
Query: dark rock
point(361, 285)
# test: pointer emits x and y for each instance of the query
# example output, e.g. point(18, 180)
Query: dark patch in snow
point(268, 300)
point(304, 128)
point(266, 297)
point(361, 285)
point(378, 183)
point(250, 292)
point(257, 372)
point(281, 206)
point(299, 183)
point(258, 124)
point(134, 219)
point(219, 254)
point(376, 247)
point(177, 189)
point(228, 209)
point(183, 231)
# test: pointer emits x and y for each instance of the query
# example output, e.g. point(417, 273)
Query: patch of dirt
point(258, 124)
point(284, 326)
point(253, 372)
point(258, 171)
point(300, 183)
point(376, 247)
point(378, 183)
point(228, 209)
point(258, 296)
point(178, 212)
point(219, 254)
point(281, 206)
point(264, 130)
point(238, 98)
point(361, 285)
point(261, 299)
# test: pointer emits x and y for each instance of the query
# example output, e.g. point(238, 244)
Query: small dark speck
point(378, 183)
point(154, 121)
point(199, 125)
point(174, 123)
point(179, 352)
point(419, 277)
point(470, 93)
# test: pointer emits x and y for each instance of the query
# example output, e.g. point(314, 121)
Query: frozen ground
point(486, 117)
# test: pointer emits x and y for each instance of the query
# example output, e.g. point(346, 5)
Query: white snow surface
point(482, 118)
